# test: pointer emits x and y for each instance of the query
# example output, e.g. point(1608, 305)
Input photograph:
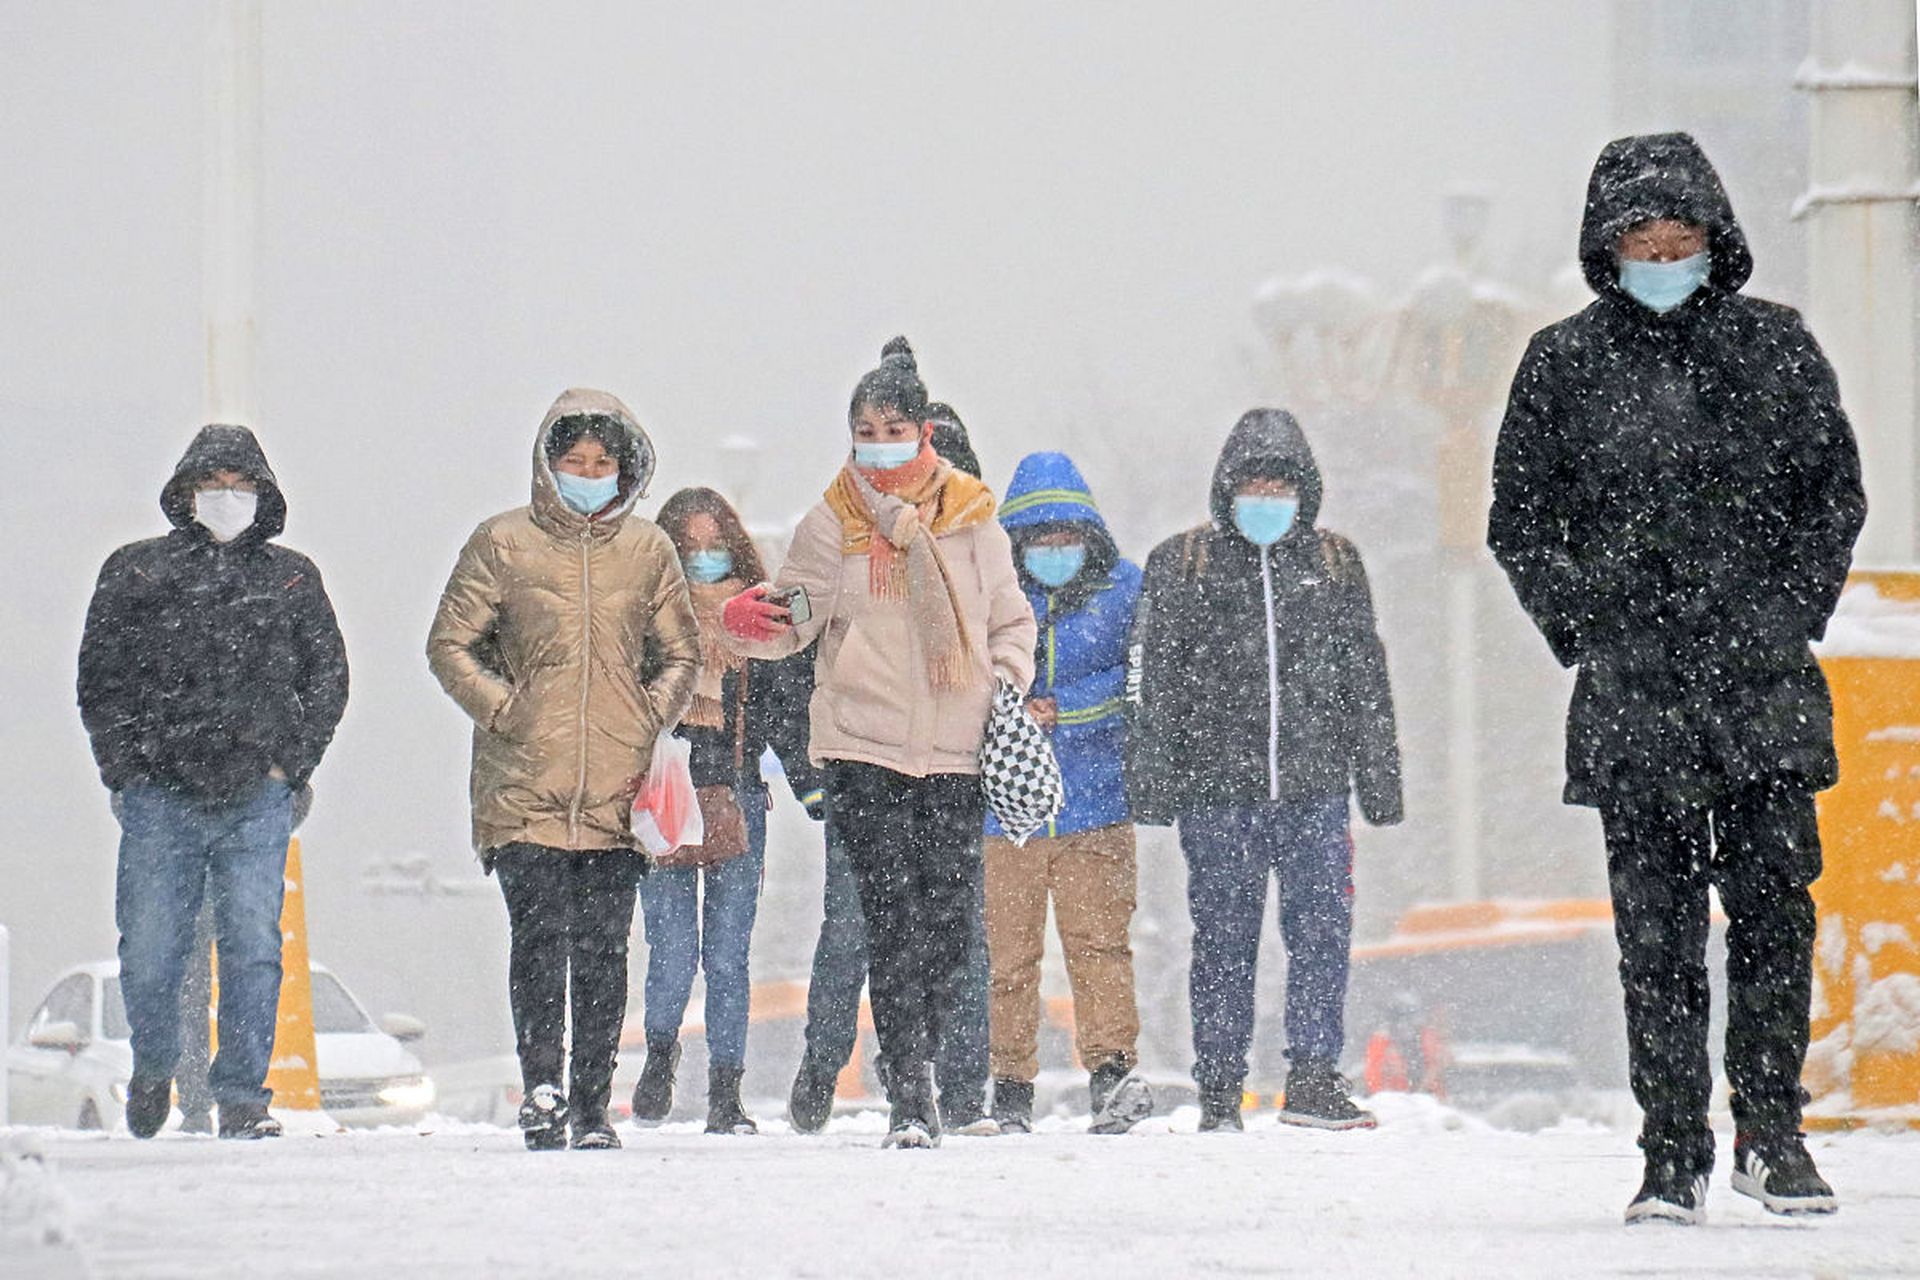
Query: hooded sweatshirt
point(1080, 660)
point(205, 665)
point(571, 643)
point(1258, 674)
point(1676, 497)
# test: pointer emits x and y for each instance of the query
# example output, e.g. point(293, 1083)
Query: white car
point(70, 1065)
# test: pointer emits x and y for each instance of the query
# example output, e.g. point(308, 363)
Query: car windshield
point(334, 1012)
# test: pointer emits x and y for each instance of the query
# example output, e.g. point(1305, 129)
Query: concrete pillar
point(230, 247)
point(1860, 211)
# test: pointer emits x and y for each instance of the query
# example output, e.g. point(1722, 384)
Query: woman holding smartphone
point(699, 904)
point(908, 582)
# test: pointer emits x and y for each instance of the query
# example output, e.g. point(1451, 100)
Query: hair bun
point(899, 351)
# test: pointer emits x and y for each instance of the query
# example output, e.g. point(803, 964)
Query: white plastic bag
point(666, 810)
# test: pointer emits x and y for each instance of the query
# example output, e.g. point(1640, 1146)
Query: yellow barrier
point(1864, 1067)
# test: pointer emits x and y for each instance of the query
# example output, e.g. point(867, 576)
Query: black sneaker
point(1776, 1170)
point(724, 1112)
point(1220, 1111)
point(1671, 1192)
point(148, 1102)
point(247, 1121)
point(1013, 1105)
point(543, 1119)
point(653, 1093)
point(1120, 1098)
point(595, 1136)
point(1319, 1097)
point(810, 1105)
point(968, 1118)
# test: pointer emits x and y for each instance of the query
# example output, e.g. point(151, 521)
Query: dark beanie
point(894, 385)
point(950, 439)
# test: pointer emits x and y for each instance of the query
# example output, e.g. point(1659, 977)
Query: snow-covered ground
point(1431, 1193)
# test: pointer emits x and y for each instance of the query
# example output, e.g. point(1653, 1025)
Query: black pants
point(1760, 847)
point(915, 848)
point(571, 913)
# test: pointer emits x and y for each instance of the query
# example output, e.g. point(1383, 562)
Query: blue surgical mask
point(584, 495)
point(885, 455)
point(1263, 518)
point(1662, 286)
point(709, 564)
point(1055, 566)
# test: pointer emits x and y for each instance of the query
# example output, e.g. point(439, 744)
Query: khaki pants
point(1090, 876)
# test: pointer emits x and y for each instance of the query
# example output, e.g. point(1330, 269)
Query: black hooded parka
point(1676, 497)
point(205, 665)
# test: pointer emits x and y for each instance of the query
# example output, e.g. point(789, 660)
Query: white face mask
point(226, 513)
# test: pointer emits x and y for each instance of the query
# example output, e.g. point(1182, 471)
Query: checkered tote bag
point(1017, 769)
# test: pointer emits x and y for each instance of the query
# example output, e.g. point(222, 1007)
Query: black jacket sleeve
point(320, 656)
point(1832, 505)
point(787, 686)
point(108, 685)
point(1368, 694)
point(1157, 690)
point(1524, 531)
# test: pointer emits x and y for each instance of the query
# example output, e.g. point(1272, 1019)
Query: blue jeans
point(840, 971)
point(688, 930)
point(174, 852)
point(1230, 853)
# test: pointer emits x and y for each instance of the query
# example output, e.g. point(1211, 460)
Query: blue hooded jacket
point(1081, 657)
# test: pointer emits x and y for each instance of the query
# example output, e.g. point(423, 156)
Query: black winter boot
point(543, 1119)
point(247, 1120)
point(148, 1102)
point(914, 1120)
point(653, 1092)
point(810, 1105)
point(1673, 1191)
point(1013, 1105)
point(1220, 1110)
point(1120, 1099)
point(1318, 1097)
point(724, 1112)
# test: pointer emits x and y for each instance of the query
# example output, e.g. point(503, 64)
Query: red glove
point(751, 616)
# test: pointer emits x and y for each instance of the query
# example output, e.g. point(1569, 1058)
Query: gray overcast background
point(719, 212)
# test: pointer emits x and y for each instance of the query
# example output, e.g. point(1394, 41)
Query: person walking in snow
point(1261, 704)
point(566, 634)
point(212, 676)
point(1083, 595)
point(1676, 496)
point(699, 902)
point(840, 955)
point(908, 583)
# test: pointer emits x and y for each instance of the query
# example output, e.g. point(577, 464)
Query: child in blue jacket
point(1083, 595)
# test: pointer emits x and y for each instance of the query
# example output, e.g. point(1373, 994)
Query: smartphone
point(799, 608)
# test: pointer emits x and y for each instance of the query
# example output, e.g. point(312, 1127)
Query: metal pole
point(231, 244)
point(1861, 220)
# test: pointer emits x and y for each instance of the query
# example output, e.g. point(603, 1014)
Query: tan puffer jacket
point(872, 700)
point(571, 643)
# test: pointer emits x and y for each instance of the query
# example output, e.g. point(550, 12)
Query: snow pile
point(1869, 625)
point(36, 1213)
point(1886, 1018)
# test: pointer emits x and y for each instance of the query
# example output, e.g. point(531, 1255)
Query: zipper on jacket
point(586, 681)
point(1273, 681)
point(1050, 652)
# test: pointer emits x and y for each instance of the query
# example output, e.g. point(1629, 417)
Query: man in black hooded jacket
point(1676, 496)
point(212, 675)
point(1261, 709)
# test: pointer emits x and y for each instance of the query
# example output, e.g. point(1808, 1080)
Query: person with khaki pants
point(1082, 595)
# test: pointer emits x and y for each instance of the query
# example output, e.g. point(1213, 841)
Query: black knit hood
point(1652, 176)
point(222, 447)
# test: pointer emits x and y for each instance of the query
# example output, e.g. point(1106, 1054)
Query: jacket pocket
point(960, 723)
point(868, 688)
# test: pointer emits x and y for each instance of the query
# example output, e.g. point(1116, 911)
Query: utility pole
point(230, 248)
point(1861, 235)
